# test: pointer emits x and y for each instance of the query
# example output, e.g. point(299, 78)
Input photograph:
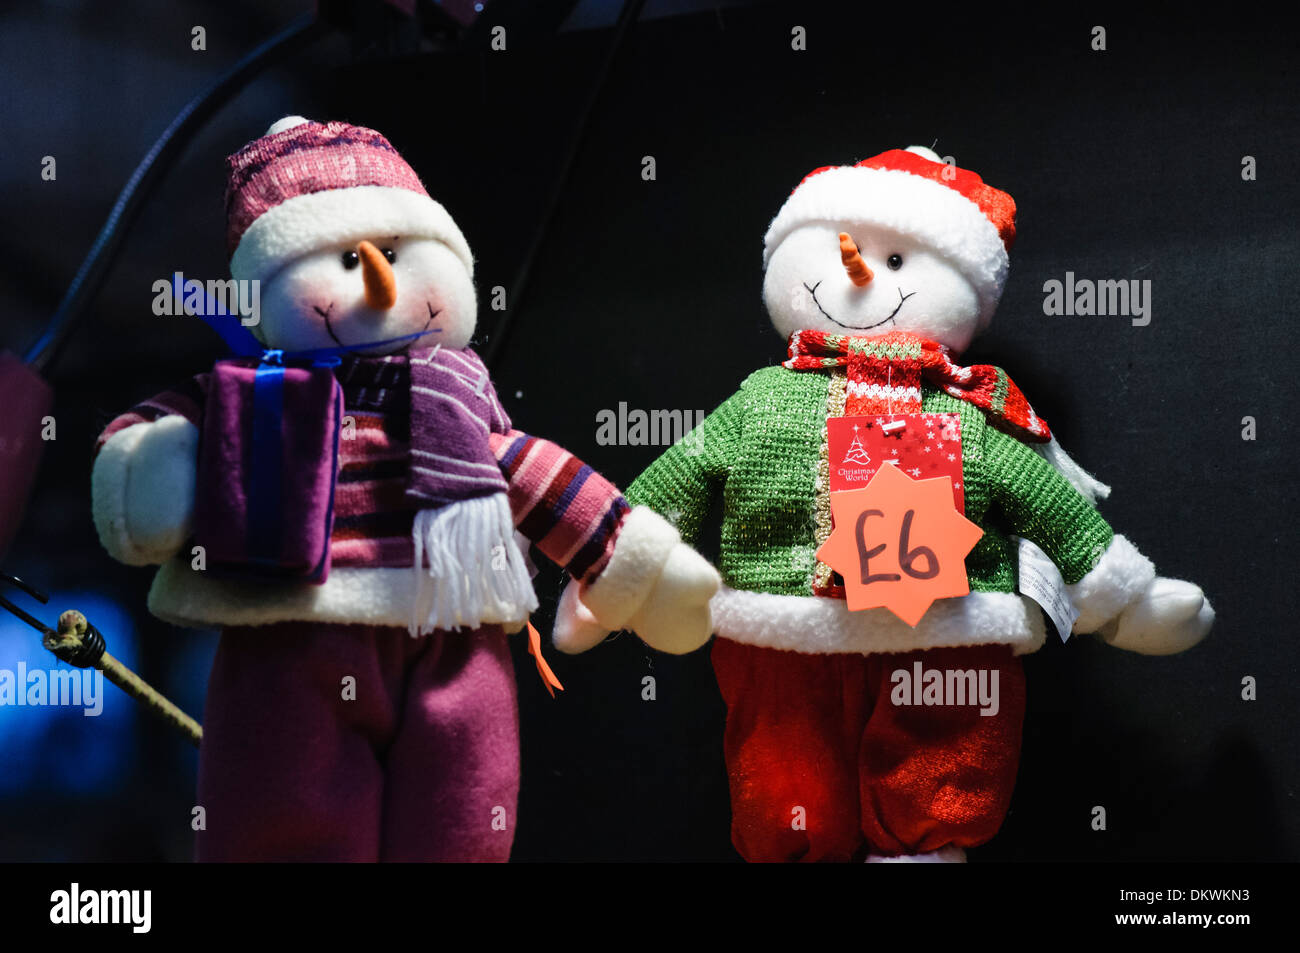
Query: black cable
point(73, 308)
point(27, 617)
point(496, 345)
point(25, 587)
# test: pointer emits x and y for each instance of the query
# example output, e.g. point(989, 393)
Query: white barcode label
point(1041, 581)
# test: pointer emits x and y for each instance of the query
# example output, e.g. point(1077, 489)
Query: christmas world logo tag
point(925, 446)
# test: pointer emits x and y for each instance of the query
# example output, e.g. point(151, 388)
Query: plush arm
point(629, 564)
point(561, 505)
point(683, 481)
point(1114, 587)
point(674, 617)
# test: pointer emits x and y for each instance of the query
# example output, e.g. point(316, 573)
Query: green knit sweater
point(761, 447)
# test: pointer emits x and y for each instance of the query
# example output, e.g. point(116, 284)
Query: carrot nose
point(381, 283)
point(858, 271)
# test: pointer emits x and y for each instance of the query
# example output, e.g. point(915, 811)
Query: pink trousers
point(359, 743)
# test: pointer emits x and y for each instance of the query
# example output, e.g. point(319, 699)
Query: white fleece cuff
point(1119, 579)
point(640, 550)
point(343, 216)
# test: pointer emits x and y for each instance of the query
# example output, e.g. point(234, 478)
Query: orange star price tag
point(899, 543)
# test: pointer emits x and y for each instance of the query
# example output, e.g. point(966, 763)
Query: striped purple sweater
point(570, 512)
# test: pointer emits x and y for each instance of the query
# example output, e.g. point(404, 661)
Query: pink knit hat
point(308, 185)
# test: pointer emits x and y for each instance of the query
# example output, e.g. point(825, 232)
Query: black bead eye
point(895, 262)
point(350, 259)
point(389, 254)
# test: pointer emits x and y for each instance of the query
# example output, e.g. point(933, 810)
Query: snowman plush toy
point(370, 713)
point(870, 627)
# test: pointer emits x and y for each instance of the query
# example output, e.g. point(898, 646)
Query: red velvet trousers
point(824, 766)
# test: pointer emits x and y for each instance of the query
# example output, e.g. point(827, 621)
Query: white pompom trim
point(288, 122)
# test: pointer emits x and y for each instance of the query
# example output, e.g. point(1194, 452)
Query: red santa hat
point(308, 185)
point(913, 192)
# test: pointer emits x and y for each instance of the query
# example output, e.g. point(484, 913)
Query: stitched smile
point(853, 327)
point(329, 328)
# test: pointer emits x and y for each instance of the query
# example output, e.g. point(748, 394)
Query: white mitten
point(1129, 606)
point(1169, 617)
point(675, 616)
point(142, 490)
point(653, 584)
point(576, 629)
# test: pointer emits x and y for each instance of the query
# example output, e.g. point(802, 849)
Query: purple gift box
point(267, 466)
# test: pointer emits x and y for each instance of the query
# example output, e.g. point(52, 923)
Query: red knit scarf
point(885, 374)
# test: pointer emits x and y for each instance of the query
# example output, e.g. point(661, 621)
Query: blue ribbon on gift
point(264, 491)
point(266, 456)
point(266, 487)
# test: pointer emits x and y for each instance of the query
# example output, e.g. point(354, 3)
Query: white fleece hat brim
point(307, 223)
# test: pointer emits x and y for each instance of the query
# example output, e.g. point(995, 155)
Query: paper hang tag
point(1040, 580)
point(543, 669)
point(925, 446)
point(899, 543)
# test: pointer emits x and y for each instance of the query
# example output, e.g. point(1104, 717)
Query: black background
point(1124, 164)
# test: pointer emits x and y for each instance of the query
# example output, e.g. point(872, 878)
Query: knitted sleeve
point(680, 484)
point(185, 400)
point(565, 508)
point(1043, 507)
